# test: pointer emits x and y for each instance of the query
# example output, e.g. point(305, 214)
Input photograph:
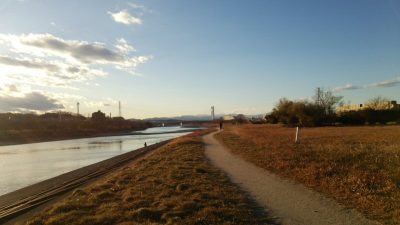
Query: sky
point(163, 58)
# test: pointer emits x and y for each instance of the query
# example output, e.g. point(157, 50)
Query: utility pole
point(77, 108)
point(119, 108)
point(212, 113)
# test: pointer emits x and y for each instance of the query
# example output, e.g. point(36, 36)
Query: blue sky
point(169, 58)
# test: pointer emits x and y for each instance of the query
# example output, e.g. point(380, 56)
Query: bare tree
point(378, 103)
point(326, 100)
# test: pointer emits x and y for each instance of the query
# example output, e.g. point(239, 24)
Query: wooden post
point(297, 134)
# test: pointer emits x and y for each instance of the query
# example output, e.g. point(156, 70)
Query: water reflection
point(22, 165)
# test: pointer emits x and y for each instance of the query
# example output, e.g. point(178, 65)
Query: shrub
point(298, 113)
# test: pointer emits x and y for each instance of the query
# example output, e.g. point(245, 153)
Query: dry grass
point(358, 166)
point(173, 185)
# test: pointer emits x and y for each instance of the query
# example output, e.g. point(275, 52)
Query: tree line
point(321, 112)
point(64, 120)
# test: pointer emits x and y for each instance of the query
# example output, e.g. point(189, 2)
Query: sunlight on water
point(26, 164)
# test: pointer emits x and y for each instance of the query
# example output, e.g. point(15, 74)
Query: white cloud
point(108, 102)
point(139, 9)
point(56, 61)
point(136, 6)
point(34, 60)
point(45, 73)
point(32, 64)
point(346, 88)
point(124, 47)
point(14, 89)
point(49, 45)
point(386, 83)
point(125, 17)
point(381, 84)
point(74, 51)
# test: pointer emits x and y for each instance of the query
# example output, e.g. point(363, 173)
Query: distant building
point(98, 116)
point(379, 106)
point(228, 118)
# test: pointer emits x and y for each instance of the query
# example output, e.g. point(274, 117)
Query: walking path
point(291, 203)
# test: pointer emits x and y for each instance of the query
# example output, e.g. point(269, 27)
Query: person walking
point(221, 125)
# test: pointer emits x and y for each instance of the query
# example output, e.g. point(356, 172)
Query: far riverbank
point(34, 136)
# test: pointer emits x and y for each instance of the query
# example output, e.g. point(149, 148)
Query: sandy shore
point(15, 204)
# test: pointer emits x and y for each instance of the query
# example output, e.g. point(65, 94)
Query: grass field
point(173, 185)
point(358, 166)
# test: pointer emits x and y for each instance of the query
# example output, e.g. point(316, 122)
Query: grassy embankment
point(174, 184)
point(358, 166)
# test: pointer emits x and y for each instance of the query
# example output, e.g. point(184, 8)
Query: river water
point(26, 164)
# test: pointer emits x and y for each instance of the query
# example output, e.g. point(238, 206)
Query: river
point(26, 164)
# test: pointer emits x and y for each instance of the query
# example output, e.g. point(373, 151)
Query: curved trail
point(291, 203)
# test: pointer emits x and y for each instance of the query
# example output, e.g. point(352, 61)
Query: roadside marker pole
point(297, 134)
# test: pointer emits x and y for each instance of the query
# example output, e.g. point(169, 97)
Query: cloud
point(81, 51)
point(34, 101)
point(124, 47)
point(33, 64)
point(136, 6)
point(386, 83)
point(75, 51)
point(124, 17)
point(28, 61)
point(39, 72)
point(381, 84)
point(346, 87)
point(139, 9)
point(51, 60)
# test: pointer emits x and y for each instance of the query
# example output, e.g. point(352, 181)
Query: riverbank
point(357, 166)
point(21, 128)
point(173, 184)
point(23, 200)
point(26, 164)
point(34, 136)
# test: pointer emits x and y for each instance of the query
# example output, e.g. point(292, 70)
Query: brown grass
point(358, 166)
point(173, 185)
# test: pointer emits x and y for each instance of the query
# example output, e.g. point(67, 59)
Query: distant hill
point(180, 118)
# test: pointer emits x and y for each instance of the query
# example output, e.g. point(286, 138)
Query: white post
point(297, 134)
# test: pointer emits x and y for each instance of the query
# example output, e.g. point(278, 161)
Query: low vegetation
point(357, 166)
point(369, 116)
point(173, 185)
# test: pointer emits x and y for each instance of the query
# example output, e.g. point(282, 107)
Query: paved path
point(291, 203)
